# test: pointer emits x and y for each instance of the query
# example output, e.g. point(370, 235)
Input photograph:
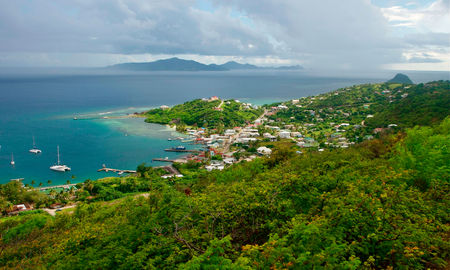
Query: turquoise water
point(44, 105)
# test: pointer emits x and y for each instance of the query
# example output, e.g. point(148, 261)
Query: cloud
point(326, 34)
point(125, 27)
point(424, 60)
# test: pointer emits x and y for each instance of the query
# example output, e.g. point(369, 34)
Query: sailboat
point(58, 167)
point(34, 150)
point(12, 159)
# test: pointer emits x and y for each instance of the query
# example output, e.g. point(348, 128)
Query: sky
point(319, 35)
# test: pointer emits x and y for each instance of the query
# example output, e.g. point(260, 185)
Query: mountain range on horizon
point(177, 64)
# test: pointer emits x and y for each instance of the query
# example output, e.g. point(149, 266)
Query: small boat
point(58, 167)
point(35, 150)
point(12, 159)
point(120, 173)
point(75, 118)
point(180, 148)
point(169, 139)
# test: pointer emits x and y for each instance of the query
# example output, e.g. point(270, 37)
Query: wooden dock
point(115, 170)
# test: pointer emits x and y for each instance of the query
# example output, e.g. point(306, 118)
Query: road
point(52, 212)
point(230, 141)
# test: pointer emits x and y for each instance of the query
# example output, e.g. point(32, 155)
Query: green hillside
point(203, 113)
point(381, 204)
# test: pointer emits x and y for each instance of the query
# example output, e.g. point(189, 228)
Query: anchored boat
point(35, 150)
point(58, 167)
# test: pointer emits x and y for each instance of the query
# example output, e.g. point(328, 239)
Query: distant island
point(400, 78)
point(177, 64)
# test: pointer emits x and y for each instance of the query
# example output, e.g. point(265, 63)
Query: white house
point(284, 134)
point(230, 132)
point(264, 150)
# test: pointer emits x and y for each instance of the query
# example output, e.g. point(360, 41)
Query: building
point(264, 150)
point(284, 134)
point(229, 132)
point(270, 137)
point(164, 107)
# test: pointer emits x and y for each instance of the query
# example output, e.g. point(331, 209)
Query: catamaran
point(58, 167)
point(12, 159)
point(35, 150)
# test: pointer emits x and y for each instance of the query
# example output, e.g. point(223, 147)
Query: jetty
point(104, 169)
point(181, 150)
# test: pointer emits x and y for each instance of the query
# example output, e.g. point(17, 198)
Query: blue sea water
point(43, 106)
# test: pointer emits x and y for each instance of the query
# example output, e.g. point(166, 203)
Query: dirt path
point(52, 212)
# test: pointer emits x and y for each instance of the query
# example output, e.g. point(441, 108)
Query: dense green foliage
point(381, 204)
point(13, 193)
point(424, 105)
point(362, 207)
point(204, 114)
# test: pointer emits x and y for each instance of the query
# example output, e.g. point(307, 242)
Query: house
point(164, 107)
point(270, 137)
point(215, 165)
point(229, 132)
point(20, 207)
point(378, 130)
point(284, 134)
point(213, 98)
point(295, 101)
point(264, 150)
point(229, 160)
point(246, 140)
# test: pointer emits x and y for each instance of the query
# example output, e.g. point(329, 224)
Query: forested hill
point(381, 204)
point(212, 113)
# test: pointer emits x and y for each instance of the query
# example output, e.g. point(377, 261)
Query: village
point(308, 124)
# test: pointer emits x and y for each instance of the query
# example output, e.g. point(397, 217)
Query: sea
point(42, 105)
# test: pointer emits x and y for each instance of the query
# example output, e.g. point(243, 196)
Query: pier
point(181, 150)
point(115, 170)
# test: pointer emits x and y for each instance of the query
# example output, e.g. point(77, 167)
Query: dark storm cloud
point(126, 27)
point(351, 34)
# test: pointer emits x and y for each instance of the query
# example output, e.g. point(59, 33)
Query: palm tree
point(40, 184)
point(68, 182)
point(33, 182)
point(53, 193)
point(49, 182)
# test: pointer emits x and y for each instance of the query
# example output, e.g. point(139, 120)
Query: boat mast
point(34, 143)
point(58, 153)
point(12, 157)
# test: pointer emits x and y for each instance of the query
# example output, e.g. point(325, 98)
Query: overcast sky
point(320, 34)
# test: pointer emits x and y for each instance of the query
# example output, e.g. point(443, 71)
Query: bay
point(43, 104)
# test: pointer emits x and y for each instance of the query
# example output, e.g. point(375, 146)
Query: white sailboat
point(58, 167)
point(35, 150)
point(12, 159)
